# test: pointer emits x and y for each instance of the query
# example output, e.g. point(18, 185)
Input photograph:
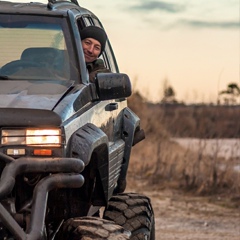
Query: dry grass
point(162, 161)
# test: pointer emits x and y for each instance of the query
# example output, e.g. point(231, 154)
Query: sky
point(193, 46)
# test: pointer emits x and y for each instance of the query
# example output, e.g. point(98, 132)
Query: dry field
point(192, 197)
point(181, 214)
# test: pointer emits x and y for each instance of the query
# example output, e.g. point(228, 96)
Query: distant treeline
point(201, 121)
point(196, 121)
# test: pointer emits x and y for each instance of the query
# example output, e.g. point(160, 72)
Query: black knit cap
point(95, 33)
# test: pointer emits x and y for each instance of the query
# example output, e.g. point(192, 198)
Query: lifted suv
point(65, 142)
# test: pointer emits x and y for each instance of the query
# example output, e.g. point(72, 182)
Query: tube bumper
point(65, 173)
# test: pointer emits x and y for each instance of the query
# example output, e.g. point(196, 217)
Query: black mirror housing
point(113, 86)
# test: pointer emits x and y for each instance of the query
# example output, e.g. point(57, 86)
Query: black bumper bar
point(65, 174)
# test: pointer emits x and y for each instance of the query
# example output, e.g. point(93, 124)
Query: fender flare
point(131, 128)
point(87, 140)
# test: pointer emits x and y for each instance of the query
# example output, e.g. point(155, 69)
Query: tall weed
point(160, 160)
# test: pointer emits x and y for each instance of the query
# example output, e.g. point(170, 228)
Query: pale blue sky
point(193, 44)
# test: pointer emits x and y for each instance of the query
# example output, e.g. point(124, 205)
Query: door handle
point(111, 107)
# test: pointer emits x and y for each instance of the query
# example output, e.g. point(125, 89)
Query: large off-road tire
point(92, 228)
point(134, 213)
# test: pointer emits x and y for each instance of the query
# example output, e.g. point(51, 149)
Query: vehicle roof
point(51, 8)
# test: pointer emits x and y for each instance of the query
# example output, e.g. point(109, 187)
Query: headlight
point(36, 137)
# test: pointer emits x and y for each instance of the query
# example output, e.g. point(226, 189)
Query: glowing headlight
point(12, 137)
point(38, 137)
point(43, 137)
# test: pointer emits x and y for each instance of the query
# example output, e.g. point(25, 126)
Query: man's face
point(91, 49)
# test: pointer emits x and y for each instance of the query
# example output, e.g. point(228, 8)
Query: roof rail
point(55, 1)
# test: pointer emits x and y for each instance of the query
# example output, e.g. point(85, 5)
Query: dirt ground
point(182, 216)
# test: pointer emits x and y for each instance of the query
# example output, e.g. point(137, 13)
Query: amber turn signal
point(42, 152)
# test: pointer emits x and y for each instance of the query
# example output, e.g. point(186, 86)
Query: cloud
point(158, 5)
point(210, 24)
point(186, 14)
point(179, 23)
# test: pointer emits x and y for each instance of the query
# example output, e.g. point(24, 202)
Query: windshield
point(33, 48)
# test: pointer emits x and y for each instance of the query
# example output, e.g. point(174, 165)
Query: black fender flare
point(132, 134)
point(87, 140)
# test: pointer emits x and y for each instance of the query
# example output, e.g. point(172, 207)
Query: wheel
point(15, 66)
point(91, 228)
point(134, 213)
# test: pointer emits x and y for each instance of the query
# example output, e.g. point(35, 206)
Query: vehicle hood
point(32, 94)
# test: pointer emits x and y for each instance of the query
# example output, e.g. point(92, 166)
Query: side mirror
point(113, 86)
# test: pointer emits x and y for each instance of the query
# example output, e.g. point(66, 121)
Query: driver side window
point(107, 56)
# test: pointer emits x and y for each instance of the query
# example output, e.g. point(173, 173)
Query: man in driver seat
point(93, 43)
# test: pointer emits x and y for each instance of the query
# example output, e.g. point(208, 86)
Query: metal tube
point(5, 158)
point(40, 196)
point(27, 165)
point(11, 224)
